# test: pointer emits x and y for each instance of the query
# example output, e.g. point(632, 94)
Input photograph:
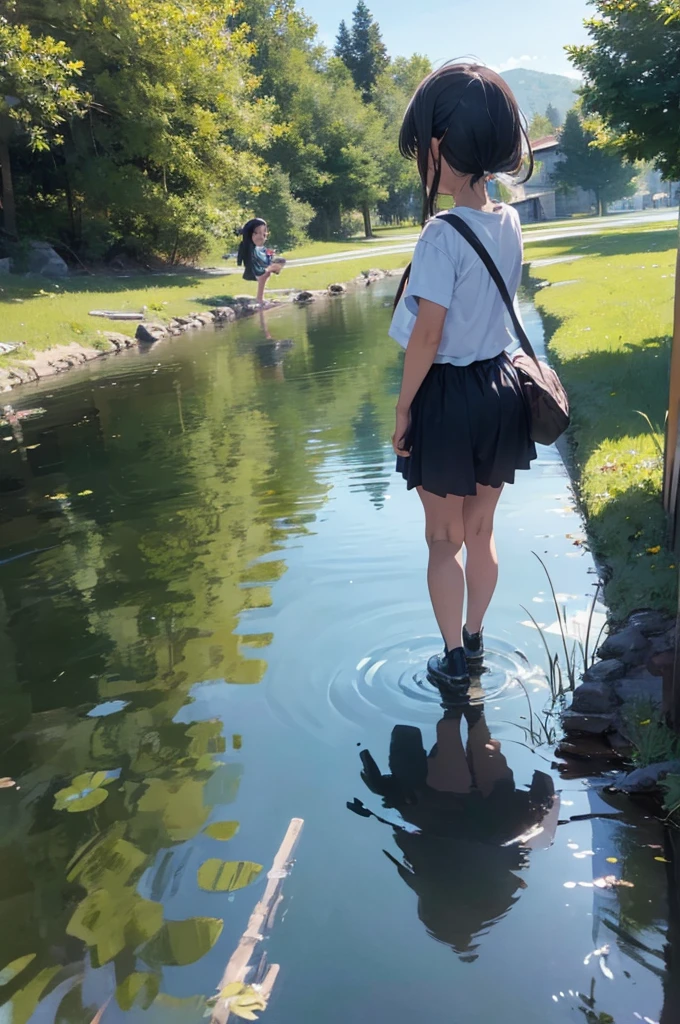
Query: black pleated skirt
point(469, 426)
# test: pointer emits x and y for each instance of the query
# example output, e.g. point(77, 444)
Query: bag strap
point(464, 229)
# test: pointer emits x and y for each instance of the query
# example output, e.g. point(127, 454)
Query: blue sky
point(498, 32)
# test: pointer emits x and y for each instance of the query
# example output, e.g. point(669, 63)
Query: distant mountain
point(536, 89)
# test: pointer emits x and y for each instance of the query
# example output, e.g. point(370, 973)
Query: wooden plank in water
point(242, 963)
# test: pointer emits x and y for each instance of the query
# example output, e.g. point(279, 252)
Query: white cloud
point(516, 62)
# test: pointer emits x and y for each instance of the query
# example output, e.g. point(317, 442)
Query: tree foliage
point(589, 164)
point(199, 114)
point(362, 49)
point(553, 115)
point(632, 77)
point(540, 126)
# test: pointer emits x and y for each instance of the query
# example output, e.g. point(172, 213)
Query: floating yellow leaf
point(243, 1000)
point(222, 830)
point(612, 860)
point(84, 494)
point(227, 875)
point(646, 721)
point(655, 550)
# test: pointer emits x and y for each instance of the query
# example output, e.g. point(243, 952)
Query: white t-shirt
point(448, 271)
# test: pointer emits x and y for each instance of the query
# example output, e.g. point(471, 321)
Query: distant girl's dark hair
point(473, 113)
point(247, 246)
point(471, 110)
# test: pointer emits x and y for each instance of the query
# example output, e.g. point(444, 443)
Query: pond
point(214, 620)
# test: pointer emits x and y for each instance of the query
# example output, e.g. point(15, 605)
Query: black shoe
point(450, 667)
point(473, 645)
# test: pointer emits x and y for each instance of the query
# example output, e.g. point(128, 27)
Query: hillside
point(536, 89)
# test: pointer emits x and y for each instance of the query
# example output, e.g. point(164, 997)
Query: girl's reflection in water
point(271, 353)
point(466, 828)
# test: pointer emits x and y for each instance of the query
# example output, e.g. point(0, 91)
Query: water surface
point(213, 609)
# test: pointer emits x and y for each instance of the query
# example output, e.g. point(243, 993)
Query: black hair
point(247, 246)
point(473, 113)
point(475, 116)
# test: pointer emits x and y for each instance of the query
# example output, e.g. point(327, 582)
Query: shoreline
point(62, 358)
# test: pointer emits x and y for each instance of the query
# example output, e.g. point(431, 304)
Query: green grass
point(46, 314)
point(609, 327)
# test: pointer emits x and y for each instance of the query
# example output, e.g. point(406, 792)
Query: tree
point(37, 96)
point(632, 77)
point(539, 127)
point(591, 165)
point(343, 45)
point(362, 50)
point(391, 94)
point(553, 115)
point(174, 129)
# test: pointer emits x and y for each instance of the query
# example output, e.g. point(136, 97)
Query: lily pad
point(227, 875)
point(85, 792)
point(179, 943)
point(222, 830)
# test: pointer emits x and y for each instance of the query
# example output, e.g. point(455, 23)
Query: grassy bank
point(608, 316)
point(42, 315)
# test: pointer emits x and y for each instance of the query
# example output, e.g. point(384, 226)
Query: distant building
point(538, 199)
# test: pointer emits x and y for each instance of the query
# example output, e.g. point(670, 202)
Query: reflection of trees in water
point(144, 592)
point(368, 452)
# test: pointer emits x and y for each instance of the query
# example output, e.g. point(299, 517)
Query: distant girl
point(259, 262)
point(462, 429)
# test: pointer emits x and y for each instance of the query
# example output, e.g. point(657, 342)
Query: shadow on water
point(212, 598)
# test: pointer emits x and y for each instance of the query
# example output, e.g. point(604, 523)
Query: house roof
point(547, 142)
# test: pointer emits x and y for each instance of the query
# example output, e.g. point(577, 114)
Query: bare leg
point(444, 531)
point(485, 758)
point(447, 769)
point(481, 565)
point(261, 285)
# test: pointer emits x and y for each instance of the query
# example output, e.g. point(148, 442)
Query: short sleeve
point(433, 277)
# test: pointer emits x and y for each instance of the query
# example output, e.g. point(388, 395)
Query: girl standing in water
point(462, 428)
point(259, 263)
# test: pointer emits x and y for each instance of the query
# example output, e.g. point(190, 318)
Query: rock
point(118, 341)
point(593, 725)
point(645, 780)
point(650, 623)
point(593, 698)
point(604, 671)
point(224, 313)
point(336, 289)
point(663, 643)
point(185, 321)
point(43, 260)
point(149, 333)
point(639, 685)
point(303, 298)
point(205, 318)
point(587, 748)
point(628, 646)
point(5, 265)
point(660, 663)
point(620, 744)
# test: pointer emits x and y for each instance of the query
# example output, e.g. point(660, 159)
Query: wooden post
point(261, 920)
point(671, 492)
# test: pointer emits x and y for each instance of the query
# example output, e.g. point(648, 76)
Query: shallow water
point(212, 592)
